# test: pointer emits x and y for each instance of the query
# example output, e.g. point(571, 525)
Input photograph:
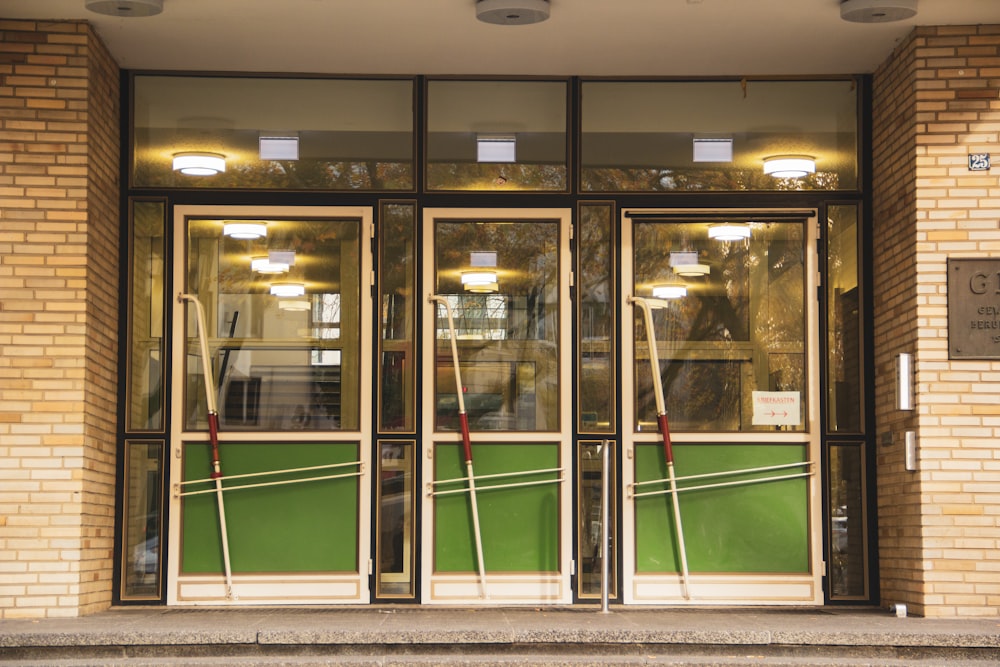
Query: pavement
point(407, 628)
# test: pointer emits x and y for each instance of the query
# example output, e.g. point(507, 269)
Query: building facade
point(837, 488)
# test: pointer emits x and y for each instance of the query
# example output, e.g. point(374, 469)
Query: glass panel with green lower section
point(309, 526)
point(520, 525)
point(760, 527)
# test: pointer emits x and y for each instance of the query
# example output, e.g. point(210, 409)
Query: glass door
point(721, 406)
point(270, 464)
point(496, 410)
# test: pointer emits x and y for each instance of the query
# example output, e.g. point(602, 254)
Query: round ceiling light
point(789, 166)
point(199, 164)
point(288, 289)
point(265, 265)
point(125, 7)
point(729, 231)
point(247, 231)
point(670, 291)
point(877, 11)
point(512, 12)
point(294, 304)
point(478, 278)
point(692, 270)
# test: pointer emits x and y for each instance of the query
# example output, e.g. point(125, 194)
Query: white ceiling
point(582, 37)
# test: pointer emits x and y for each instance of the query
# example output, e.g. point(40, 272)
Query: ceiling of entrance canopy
point(581, 37)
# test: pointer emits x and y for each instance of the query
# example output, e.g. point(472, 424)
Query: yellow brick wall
point(937, 99)
point(59, 242)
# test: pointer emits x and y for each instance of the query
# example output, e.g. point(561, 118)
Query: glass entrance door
point(720, 350)
point(270, 435)
point(496, 410)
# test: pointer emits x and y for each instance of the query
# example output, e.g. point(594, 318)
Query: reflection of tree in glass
point(779, 324)
point(594, 255)
point(526, 263)
point(303, 174)
point(491, 176)
point(698, 393)
point(667, 179)
point(749, 310)
point(595, 289)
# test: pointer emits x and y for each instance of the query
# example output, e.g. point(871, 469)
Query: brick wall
point(58, 318)
point(937, 99)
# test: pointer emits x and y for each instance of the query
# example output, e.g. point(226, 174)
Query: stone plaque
point(974, 308)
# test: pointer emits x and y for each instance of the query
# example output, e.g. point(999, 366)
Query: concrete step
point(513, 660)
point(499, 637)
point(537, 655)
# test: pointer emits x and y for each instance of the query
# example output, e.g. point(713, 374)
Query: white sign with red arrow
point(777, 408)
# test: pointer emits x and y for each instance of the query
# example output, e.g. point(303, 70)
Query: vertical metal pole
point(605, 511)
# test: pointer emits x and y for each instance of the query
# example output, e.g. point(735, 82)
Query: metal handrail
point(726, 473)
point(183, 494)
point(720, 485)
point(497, 475)
point(278, 472)
point(539, 482)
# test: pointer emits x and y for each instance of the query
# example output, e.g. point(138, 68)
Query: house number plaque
point(974, 308)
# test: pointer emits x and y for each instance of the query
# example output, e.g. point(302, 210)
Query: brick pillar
point(936, 100)
point(59, 238)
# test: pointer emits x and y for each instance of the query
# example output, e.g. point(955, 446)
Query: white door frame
point(724, 588)
point(503, 588)
point(271, 587)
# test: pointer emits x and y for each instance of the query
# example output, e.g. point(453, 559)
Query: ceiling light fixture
point(484, 288)
point(294, 304)
point(265, 265)
point(246, 231)
point(877, 11)
point(789, 166)
point(512, 12)
point(125, 7)
point(199, 164)
point(685, 263)
point(670, 291)
point(695, 270)
point(287, 289)
point(729, 231)
point(478, 278)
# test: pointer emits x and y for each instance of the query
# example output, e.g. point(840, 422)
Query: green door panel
point(302, 527)
point(760, 527)
point(520, 526)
